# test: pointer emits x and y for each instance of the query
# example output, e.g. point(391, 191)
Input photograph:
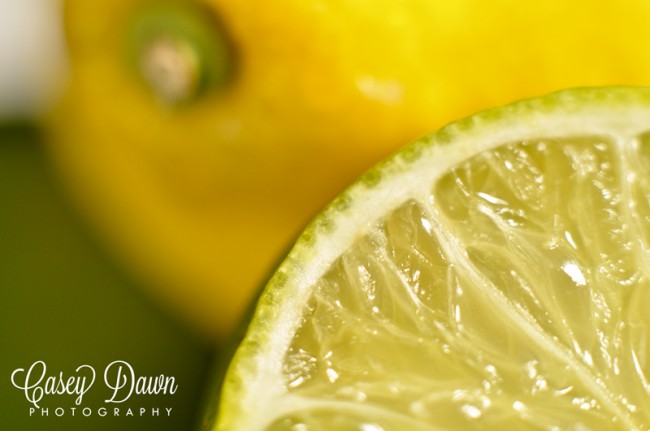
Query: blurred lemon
point(200, 136)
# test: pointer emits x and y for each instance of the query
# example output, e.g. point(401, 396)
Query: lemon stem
point(179, 50)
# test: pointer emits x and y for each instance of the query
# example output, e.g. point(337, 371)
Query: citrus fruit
point(493, 275)
point(201, 135)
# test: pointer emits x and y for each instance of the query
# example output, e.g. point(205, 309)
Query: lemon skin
point(201, 199)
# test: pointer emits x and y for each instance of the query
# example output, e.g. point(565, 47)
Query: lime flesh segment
point(493, 275)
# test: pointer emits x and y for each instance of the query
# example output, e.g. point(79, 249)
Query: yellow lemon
point(200, 135)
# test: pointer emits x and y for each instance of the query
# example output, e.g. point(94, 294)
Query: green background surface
point(65, 302)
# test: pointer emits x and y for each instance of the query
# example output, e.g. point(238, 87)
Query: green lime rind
point(257, 364)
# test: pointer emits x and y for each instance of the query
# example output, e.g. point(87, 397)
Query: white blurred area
point(32, 56)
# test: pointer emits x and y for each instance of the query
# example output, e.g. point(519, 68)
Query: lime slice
point(493, 275)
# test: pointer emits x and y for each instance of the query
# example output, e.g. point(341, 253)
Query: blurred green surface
point(64, 302)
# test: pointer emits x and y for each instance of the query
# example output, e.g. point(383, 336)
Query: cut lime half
point(493, 275)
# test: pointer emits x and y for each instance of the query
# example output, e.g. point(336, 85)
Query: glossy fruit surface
point(201, 136)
